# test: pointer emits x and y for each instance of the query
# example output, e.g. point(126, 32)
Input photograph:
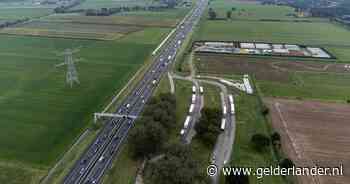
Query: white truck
point(232, 108)
point(223, 124)
point(230, 97)
point(193, 98)
point(201, 90)
point(194, 89)
point(191, 108)
point(187, 121)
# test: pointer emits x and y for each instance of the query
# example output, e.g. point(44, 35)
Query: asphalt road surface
point(98, 157)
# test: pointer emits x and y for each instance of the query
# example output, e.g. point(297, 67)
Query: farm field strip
point(71, 30)
point(318, 132)
point(320, 33)
point(280, 77)
point(127, 19)
point(76, 27)
point(21, 13)
point(88, 27)
point(97, 4)
point(61, 34)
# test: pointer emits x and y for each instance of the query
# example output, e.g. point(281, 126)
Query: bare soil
point(314, 133)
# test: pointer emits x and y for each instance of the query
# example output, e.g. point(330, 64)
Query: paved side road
point(223, 148)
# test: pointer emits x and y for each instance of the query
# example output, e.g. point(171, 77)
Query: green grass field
point(20, 13)
point(333, 37)
point(302, 33)
point(38, 104)
point(135, 20)
point(251, 11)
point(41, 115)
point(250, 121)
point(176, 13)
point(323, 86)
point(97, 4)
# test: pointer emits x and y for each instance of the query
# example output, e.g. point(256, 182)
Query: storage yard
point(314, 133)
point(258, 48)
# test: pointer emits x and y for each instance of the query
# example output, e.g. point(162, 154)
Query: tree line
point(12, 22)
point(164, 4)
point(150, 138)
point(152, 130)
point(208, 125)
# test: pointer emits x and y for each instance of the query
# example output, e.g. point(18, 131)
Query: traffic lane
point(95, 174)
point(175, 51)
point(86, 159)
point(94, 156)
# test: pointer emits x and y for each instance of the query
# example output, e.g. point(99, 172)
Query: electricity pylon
point(72, 74)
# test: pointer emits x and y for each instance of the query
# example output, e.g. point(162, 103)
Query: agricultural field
point(176, 13)
point(71, 30)
point(251, 10)
point(90, 27)
point(313, 133)
point(41, 114)
point(254, 11)
point(21, 13)
point(145, 21)
point(276, 76)
point(327, 35)
point(98, 4)
point(320, 33)
point(283, 77)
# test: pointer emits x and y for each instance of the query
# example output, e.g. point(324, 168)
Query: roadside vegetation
point(152, 131)
point(252, 146)
point(208, 126)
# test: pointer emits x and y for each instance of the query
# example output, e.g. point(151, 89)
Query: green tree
point(265, 110)
point(229, 14)
point(212, 14)
point(176, 167)
point(260, 141)
point(208, 126)
point(286, 163)
point(275, 138)
point(147, 138)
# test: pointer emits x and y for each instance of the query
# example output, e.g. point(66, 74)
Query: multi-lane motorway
point(98, 157)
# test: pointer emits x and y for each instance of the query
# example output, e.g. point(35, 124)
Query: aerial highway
point(98, 157)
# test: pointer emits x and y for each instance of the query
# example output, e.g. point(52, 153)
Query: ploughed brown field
point(263, 68)
point(314, 133)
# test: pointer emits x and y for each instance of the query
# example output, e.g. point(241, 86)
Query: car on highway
point(154, 82)
point(101, 159)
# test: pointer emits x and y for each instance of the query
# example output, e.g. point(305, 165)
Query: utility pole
point(72, 74)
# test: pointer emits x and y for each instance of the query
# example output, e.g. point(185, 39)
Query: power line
point(72, 74)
